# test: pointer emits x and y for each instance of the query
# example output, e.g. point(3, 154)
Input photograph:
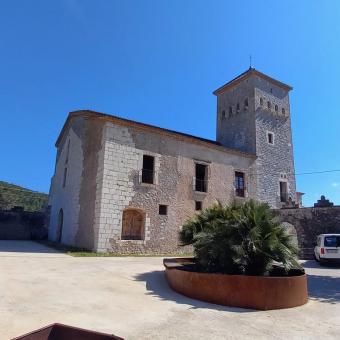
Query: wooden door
point(133, 225)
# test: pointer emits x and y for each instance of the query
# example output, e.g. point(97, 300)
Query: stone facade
point(104, 156)
point(173, 186)
point(246, 113)
point(309, 223)
point(66, 197)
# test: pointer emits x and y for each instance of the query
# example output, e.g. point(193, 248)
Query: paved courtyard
point(128, 296)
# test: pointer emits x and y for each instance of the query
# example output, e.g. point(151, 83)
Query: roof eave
point(247, 74)
point(154, 129)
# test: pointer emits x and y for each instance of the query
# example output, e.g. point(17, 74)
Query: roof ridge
point(173, 133)
point(246, 74)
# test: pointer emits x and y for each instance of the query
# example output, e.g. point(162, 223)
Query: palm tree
point(239, 239)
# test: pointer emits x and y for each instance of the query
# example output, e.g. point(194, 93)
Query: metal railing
point(284, 197)
point(147, 176)
point(240, 192)
point(200, 185)
point(130, 236)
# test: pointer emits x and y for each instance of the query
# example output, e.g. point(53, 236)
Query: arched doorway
point(132, 225)
point(60, 225)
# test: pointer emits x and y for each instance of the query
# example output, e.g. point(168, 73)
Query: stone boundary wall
point(17, 224)
point(310, 222)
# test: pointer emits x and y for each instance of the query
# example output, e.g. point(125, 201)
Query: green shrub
point(239, 239)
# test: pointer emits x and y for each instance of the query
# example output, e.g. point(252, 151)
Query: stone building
point(127, 187)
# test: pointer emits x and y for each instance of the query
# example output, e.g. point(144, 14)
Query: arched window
point(276, 108)
point(60, 225)
point(283, 111)
point(223, 114)
point(269, 105)
point(230, 111)
point(132, 225)
point(238, 107)
point(261, 101)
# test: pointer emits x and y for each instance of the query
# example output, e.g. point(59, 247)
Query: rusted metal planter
point(58, 331)
point(255, 292)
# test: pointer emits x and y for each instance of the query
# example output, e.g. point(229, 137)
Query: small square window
point(198, 205)
point(163, 209)
point(270, 138)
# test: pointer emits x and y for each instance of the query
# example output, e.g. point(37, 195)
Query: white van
point(327, 248)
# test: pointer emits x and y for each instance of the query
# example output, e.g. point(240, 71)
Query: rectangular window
point(239, 184)
point(201, 177)
point(332, 241)
point(148, 169)
point(64, 177)
point(270, 138)
point(283, 192)
point(198, 205)
point(163, 209)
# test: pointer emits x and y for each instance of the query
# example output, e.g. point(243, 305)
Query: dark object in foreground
point(245, 291)
point(58, 331)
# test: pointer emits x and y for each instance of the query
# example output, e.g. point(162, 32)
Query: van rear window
point(332, 241)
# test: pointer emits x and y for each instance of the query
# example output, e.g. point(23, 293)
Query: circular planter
point(255, 292)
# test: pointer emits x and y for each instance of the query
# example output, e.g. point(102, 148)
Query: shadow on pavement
point(157, 285)
point(315, 264)
point(324, 288)
point(18, 246)
point(320, 288)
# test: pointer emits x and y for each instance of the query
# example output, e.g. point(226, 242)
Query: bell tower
point(253, 116)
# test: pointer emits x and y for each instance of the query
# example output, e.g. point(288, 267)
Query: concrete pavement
point(129, 296)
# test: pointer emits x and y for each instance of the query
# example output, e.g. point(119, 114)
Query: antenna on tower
point(250, 66)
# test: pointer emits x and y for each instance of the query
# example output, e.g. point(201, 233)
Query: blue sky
point(158, 62)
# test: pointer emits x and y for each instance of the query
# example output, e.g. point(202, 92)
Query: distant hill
point(13, 195)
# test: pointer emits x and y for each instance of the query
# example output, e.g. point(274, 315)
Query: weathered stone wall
point(124, 148)
point(69, 155)
point(246, 129)
point(275, 162)
point(17, 224)
point(91, 183)
point(310, 222)
point(237, 129)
